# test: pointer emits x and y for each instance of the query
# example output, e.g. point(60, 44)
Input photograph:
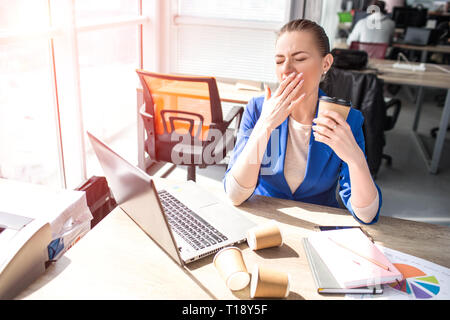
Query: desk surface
point(116, 260)
point(436, 48)
point(228, 93)
point(435, 75)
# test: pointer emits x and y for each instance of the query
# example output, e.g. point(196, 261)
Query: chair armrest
point(396, 104)
point(145, 114)
point(234, 112)
point(147, 119)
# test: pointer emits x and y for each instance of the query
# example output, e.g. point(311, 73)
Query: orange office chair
point(374, 50)
point(183, 120)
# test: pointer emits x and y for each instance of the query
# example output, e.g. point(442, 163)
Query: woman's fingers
point(295, 83)
point(321, 120)
point(283, 84)
point(294, 104)
point(286, 85)
point(330, 127)
point(323, 130)
point(268, 92)
point(322, 138)
point(334, 116)
point(295, 92)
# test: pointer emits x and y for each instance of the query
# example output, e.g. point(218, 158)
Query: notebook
point(353, 259)
point(324, 279)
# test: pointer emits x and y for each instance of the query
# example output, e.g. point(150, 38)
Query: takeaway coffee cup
point(334, 104)
point(269, 283)
point(265, 236)
point(230, 264)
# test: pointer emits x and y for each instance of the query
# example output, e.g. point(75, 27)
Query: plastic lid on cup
point(335, 100)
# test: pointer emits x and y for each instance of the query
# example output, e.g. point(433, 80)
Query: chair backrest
point(181, 104)
point(374, 50)
point(365, 91)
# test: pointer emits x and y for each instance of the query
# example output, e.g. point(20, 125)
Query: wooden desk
point(424, 49)
point(116, 260)
point(435, 76)
point(228, 93)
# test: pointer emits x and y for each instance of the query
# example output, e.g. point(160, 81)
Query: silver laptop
point(186, 221)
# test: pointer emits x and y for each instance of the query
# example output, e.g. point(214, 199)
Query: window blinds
point(239, 50)
point(226, 52)
point(256, 10)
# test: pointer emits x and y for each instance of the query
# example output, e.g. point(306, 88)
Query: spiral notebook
point(353, 260)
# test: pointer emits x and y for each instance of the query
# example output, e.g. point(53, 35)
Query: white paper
point(13, 221)
point(61, 208)
point(434, 284)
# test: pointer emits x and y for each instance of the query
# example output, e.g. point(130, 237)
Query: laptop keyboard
point(187, 224)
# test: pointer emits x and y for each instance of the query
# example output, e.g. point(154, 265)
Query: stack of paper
point(344, 259)
point(23, 252)
point(65, 210)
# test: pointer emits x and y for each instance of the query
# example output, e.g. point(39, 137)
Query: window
point(28, 145)
point(256, 10)
point(108, 90)
point(90, 11)
point(229, 39)
point(67, 66)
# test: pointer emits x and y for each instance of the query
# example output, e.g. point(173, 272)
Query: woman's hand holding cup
point(333, 130)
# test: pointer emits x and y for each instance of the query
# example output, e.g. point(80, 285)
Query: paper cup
point(269, 283)
point(230, 264)
point(265, 236)
point(338, 105)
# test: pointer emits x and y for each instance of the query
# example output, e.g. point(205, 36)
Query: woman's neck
point(306, 112)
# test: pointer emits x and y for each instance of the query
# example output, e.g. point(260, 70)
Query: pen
point(361, 255)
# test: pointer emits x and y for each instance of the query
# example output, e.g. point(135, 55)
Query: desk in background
point(424, 49)
point(228, 93)
point(117, 260)
point(435, 76)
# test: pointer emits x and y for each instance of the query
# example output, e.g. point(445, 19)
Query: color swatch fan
point(416, 282)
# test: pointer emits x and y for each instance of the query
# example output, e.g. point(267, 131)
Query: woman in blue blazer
point(335, 151)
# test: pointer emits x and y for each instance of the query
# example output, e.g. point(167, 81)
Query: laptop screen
point(417, 36)
point(136, 194)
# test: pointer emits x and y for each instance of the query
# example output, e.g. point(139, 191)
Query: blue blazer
point(324, 169)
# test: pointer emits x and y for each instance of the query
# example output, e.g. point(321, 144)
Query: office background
point(69, 66)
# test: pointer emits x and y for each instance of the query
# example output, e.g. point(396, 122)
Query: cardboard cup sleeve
point(265, 236)
point(269, 283)
point(342, 110)
point(230, 264)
